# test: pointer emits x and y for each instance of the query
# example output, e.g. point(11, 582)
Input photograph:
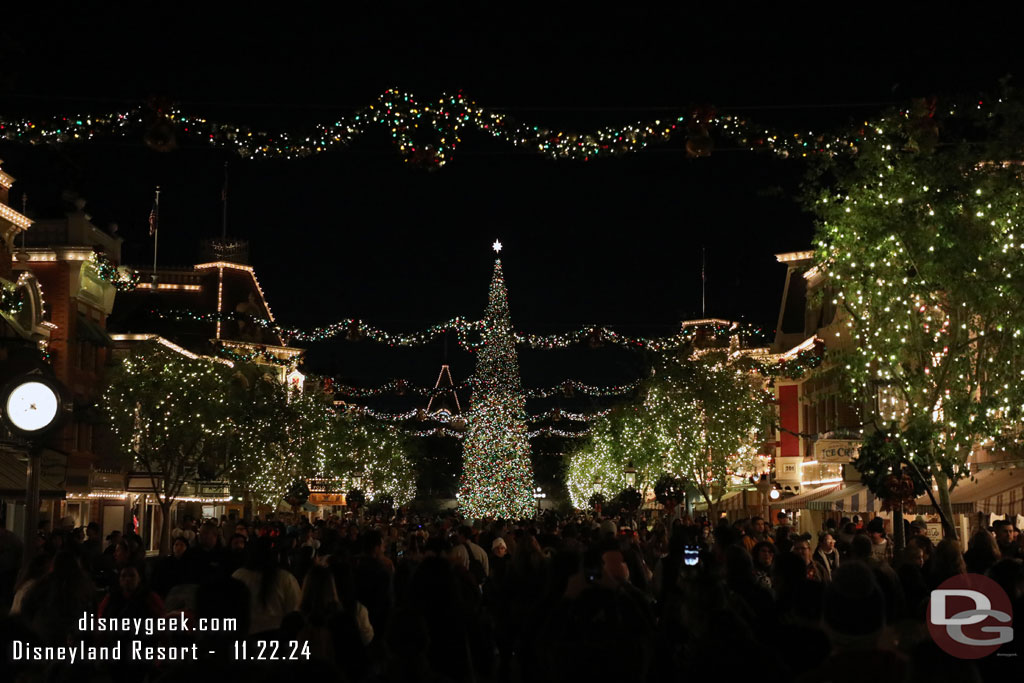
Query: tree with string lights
point(259, 466)
point(922, 251)
point(379, 452)
point(497, 477)
point(707, 414)
point(170, 415)
point(617, 440)
point(698, 421)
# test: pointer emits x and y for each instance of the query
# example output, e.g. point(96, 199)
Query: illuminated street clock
point(32, 405)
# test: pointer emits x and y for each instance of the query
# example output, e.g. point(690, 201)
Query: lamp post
point(357, 485)
point(33, 407)
point(630, 475)
point(764, 487)
point(539, 495)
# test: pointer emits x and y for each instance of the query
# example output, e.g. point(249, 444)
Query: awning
point(999, 492)
point(89, 331)
point(800, 501)
point(12, 480)
point(847, 498)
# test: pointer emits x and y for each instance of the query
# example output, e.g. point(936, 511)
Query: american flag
point(154, 217)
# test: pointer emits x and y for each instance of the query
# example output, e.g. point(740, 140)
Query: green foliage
point(355, 498)
point(698, 421)
point(170, 415)
point(259, 463)
point(923, 251)
point(669, 489)
point(630, 499)
point(884, 458)
point(377, 450)
point(708, 414)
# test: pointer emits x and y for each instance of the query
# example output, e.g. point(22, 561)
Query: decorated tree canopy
point(170, 415)
point(708, 414)
point(698, 421)
point(497, 476)
point(919, 240)
point(379, 453)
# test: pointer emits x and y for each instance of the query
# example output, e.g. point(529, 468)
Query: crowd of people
point(433, 598)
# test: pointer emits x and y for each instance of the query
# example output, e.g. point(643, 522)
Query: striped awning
point(801, 500)
point(849, 497)
point(13, 480)
point(999, 492)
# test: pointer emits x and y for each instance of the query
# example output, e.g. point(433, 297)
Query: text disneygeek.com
point(139, 639)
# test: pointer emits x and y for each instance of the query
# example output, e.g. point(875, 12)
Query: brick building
point(61, 254)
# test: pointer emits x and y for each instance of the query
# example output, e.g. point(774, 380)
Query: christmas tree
point(497, 477)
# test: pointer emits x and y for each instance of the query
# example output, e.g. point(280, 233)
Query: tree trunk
point(942, 483)
point(165, 528)
point(898, 537)
point(712, 511)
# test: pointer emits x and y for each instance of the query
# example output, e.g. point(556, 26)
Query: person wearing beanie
point(881, 547)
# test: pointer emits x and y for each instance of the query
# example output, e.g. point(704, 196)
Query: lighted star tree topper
point(497, 476)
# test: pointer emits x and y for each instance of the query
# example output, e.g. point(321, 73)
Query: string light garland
point(353, 329)
point(350, 329)
point(553, 432)
point(11, 299)
point(794, 367)
point(554, 414)
point(439, 431)
point(570, 388)
point(124, 279)
point(402, 387)
point(427, 133)
point(255, 355)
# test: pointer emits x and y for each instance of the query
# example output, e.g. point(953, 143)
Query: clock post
point(32, 500)
point(34, 406)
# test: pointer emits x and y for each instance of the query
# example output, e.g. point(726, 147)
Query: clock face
point(32, 406)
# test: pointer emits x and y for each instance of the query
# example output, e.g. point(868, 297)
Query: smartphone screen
point(691, 556)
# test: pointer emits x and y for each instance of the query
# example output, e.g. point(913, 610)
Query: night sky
point(358, 233)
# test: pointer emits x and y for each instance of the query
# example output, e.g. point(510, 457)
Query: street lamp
point(539, 495)
point(630, 473)
point(357, 480)
point(33, 406)
point(598, 485)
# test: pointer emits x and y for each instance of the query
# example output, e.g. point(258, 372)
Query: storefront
point(796, 507)
point(12, 494)
point(992, 494)
point(736, 504)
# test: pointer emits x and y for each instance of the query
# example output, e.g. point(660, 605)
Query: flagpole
point(703, 283)
point(156, 231)
point(224, 200)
